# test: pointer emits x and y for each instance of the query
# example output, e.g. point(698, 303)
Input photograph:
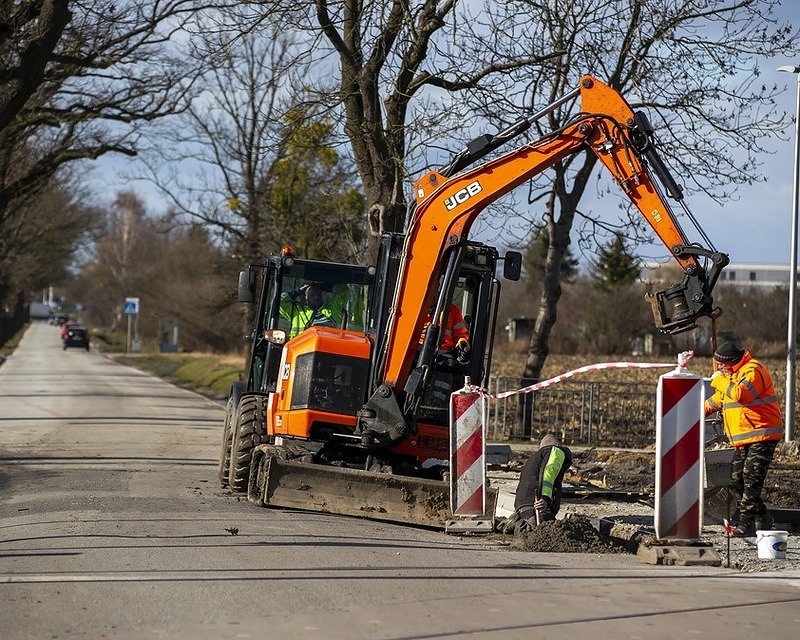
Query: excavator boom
point(447, 207)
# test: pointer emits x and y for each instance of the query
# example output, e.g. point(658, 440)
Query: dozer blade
point(364, 494)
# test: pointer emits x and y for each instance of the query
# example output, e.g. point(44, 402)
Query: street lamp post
point(792, 332)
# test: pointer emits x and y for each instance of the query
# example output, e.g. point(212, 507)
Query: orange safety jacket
point(750, 410)
point(455, 330)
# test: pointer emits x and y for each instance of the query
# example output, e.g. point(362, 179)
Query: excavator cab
point(475, 294)
point(421, 406)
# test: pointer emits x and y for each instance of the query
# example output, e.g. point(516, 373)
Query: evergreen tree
point(312, 201)
point(616, 268)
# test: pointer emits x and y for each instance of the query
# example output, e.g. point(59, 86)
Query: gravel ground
point(624, 525)
point(737, 553)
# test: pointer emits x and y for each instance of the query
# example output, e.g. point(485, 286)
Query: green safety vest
point(300, 316)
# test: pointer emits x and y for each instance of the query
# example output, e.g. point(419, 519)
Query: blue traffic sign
point(131, 307)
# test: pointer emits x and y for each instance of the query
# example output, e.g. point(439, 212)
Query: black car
point(76, 336)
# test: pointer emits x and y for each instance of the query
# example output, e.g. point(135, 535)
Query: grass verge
point(208, 374)
point(8, 348)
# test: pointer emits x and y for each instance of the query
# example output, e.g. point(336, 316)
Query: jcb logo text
point(460, 197)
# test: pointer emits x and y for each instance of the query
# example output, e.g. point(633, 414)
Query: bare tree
point(689, 64)
point(123, 260)
point(45, 236)
point(29, 35)
point(756, 317)
point(176, 274)
point(79, 79)
point(114, 67)
point(406, 68)
point(400, 69)
point(251, 160)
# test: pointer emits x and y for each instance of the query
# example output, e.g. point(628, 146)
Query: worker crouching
point(538, 495)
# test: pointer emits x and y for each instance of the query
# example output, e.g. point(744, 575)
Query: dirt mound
point(574, 534)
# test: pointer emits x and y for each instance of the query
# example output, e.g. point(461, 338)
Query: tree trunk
point(382, 180)
point(559, 229)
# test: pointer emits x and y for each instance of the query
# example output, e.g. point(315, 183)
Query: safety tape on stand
point(683, 358)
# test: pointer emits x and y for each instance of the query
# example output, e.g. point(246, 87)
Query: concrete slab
point(505, 504)
point(463, 525)
point(695, 554)
point(717, 467)
point(628, 531)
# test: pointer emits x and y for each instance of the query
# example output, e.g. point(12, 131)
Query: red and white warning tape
point(683, 358)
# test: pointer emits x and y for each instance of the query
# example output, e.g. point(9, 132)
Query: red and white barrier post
point(679, 455)
point(467, 453)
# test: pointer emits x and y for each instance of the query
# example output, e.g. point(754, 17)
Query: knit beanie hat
point(549, 440)
point(728, 353)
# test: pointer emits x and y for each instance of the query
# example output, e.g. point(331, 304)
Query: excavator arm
point(447, 205)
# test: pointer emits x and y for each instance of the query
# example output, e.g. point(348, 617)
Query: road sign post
point(131, 308)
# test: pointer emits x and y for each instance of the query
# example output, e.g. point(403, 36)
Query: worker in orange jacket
point(745, 395)
point(455, 338)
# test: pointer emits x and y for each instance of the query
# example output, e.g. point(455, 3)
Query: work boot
point(765, 522)
point(506, 525)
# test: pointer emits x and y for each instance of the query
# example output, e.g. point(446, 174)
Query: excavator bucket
point(350, 492)
point(677, 308)
point(670, 316)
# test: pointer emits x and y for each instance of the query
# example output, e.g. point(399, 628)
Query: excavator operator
point(455, 341)
point(305, 308)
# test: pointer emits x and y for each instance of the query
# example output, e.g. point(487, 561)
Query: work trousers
point(750, 465)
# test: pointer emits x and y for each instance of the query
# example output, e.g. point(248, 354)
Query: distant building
point(520, 328)
point(755, 275)
point(738, 274)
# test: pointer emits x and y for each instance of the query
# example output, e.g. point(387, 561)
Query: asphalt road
point(113, 525)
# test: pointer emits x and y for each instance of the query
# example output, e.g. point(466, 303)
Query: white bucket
point(772, 544)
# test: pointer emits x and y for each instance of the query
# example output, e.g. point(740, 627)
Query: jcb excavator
point(353, 417)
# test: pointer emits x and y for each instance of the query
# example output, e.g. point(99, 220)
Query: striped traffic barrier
point(679, 455)
point(467, 453)
point(467, 426)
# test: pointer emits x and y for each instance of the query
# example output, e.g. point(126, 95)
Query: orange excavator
point(350, 415)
